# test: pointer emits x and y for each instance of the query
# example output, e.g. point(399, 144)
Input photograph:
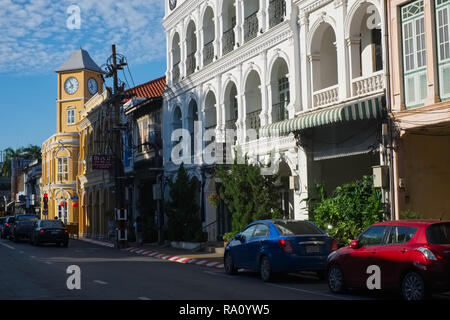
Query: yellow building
point(63, 155)
point(95, 186)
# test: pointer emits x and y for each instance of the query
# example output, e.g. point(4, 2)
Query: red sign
point(102, 162)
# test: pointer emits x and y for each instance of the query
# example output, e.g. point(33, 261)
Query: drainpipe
point(390, 150)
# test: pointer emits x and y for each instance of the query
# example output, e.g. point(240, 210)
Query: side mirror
point(354, 244)
point(237, 236)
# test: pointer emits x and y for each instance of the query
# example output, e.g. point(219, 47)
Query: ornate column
point(306, 75)
point(342, 53)
point(239, 28)
point(262, 13)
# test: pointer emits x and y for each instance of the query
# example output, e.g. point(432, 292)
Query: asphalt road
point(29, 272)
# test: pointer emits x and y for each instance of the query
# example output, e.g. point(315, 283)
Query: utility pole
point(116, 101)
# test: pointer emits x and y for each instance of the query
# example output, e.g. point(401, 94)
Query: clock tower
point(79, 79)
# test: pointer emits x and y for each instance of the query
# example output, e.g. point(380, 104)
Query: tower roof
point(80, 60)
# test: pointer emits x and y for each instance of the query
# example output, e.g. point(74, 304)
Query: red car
point(410, 256)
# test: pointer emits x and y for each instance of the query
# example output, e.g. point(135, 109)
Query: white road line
point(144, 298)
point(8, 246)
point(48, 262)
point(307, 291)
point(100, 282)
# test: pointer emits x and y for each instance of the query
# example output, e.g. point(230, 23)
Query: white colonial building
point(307, 75)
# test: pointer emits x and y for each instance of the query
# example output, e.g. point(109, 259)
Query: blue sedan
point(272, 246)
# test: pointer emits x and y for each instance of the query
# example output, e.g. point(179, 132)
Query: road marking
point(100, 282)
point(8, 246)
point(48, 262)
point(144, 298)
point(307, 291)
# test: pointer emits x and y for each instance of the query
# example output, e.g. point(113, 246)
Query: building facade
point(142, 156)
point(78, 80)
point(420, 105)
point(300, 83)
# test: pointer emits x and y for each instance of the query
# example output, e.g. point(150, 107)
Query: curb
point(163, 256)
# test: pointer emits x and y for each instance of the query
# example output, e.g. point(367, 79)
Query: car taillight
point(428, 254)
point(7, 224)
point(286, 246)
point(42, 231)
point(334, 246)
point(65, 230)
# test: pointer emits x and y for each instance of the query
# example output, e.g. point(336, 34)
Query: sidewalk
point(211, 260)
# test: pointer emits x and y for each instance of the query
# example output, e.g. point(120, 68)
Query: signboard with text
point(102, 162)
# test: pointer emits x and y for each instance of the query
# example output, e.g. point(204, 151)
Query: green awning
point(363, 110)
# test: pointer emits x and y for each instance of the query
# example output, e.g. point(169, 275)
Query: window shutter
point(442, 25)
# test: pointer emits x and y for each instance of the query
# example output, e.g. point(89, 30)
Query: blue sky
point(36, 40)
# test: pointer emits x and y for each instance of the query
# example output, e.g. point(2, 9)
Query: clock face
point(172, 4)
point(92, 86)
point(71, 85)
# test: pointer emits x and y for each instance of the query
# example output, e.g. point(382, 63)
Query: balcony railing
point(368, 84)
point(190, 63)
point(253, 120)
point(208, 53)
point(229, 41)
point(176, 72)
point(277, 12)
point(251, 27)
point(326, 96)
point(280, 111)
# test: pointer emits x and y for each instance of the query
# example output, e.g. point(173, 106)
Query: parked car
point(6, 228)
point(413, 257)
point(22, 226)
point(272, 246)
point(49, 231)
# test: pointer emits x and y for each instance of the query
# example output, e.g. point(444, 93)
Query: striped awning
point(363, 110)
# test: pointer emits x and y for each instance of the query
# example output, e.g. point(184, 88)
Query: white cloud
point(35, 37)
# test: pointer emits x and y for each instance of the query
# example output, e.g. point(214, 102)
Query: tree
point(30, 152)
point(349, 210)
point(182, 209)
point(248, 194)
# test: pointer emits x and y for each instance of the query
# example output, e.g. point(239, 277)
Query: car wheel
point(266, 269)
point(229, 264)
point(413, 287)
point(336, 281)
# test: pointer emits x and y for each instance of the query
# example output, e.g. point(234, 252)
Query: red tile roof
point(151, 89)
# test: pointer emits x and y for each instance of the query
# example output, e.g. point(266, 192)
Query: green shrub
point(350, 210)
point(182, 210)
point(248, 194)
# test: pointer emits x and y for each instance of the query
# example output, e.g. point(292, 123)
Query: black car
point(6, 228)
point(49, 231)
point(2, 223)
point(22, 226)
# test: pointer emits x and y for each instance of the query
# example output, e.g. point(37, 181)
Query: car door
point(359, 259)
point(255, 245)
point(392, 256)
point(241, 248)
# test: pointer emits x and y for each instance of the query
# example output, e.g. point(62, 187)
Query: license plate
point(312, 249)
point(54, 232)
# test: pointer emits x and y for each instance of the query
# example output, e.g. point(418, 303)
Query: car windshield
point(52, 224)
point(439, 233)
point(296, 228)
point(22, 218)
